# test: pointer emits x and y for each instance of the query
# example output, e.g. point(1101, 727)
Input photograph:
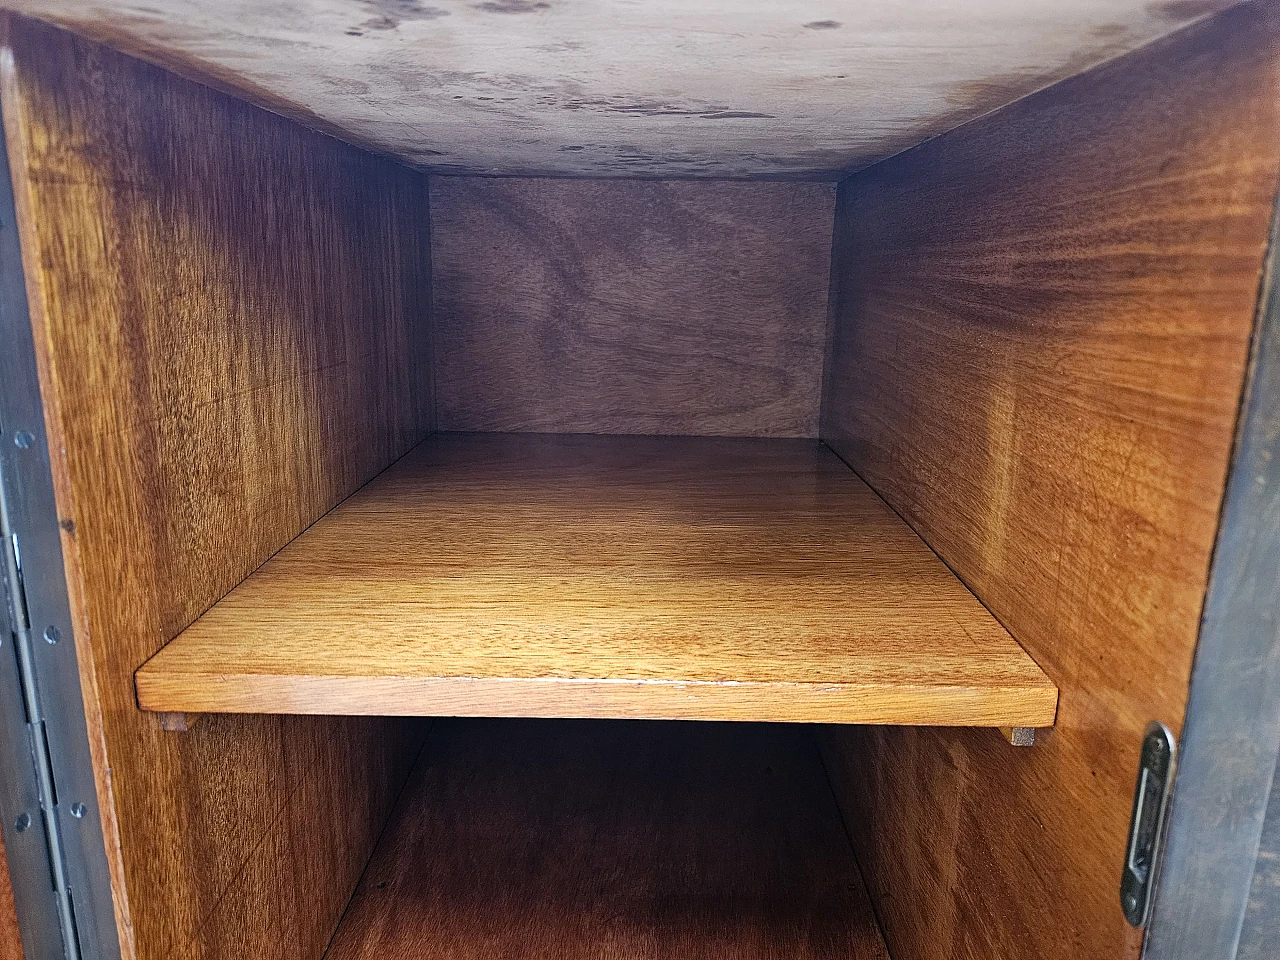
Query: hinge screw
point(52, 634)
point(23, 439)
point(78, 810)
point(23, 821)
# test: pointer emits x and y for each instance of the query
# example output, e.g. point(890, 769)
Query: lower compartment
point(568, 840)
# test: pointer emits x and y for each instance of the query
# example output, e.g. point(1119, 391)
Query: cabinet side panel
point(615, 306)
point(231, 326)
point(1042, 329)
point(10, 937)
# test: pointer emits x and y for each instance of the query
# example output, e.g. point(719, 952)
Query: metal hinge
point(37, 738)
point(1146, 824)
point(49, 815)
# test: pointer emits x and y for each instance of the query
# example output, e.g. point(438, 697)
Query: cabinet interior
point(425, 531)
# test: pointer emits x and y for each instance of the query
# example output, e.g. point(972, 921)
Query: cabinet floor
point(608, 840)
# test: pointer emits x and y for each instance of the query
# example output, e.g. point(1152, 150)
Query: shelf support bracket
point(1019, 736)
point(178, 722)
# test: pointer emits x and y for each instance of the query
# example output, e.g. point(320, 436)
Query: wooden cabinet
point(575, 558)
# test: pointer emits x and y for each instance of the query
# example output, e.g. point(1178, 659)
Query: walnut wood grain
point(540, 575)
point(230, 316)
point(586, 306)
point(589, 840)
point(1043, 321)
point(10, 935)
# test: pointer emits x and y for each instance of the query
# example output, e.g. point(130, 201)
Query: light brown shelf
point(583, 840)
point(575, 576)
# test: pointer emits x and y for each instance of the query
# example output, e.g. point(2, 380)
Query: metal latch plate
point(1146, 824)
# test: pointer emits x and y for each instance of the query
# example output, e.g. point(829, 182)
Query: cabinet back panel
point(1042, 323)
point(591, 306)
point(230, 316)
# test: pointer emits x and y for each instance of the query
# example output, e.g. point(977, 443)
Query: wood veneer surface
point(588, 306)
point(1043, 321)
point(230, 318)
point(589, 840)
point(10, 935)
point(541, 575)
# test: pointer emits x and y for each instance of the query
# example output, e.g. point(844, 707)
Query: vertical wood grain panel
point(10, 936)
point(1042, 327)
point(230, 316)
point(587, 306)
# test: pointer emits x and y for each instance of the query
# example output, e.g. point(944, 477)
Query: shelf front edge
point(1030, 705)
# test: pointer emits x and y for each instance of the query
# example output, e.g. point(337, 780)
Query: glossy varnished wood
point(230, 318)
point(1043, 321)
point(587, 306)
point(10, 935)
point(587, 840)
point(540, 575)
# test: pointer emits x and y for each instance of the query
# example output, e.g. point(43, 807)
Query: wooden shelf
point(585, 840)
point(577, 576)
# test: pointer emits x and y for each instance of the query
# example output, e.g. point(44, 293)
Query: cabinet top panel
point(578, 576)
point(661, 88)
